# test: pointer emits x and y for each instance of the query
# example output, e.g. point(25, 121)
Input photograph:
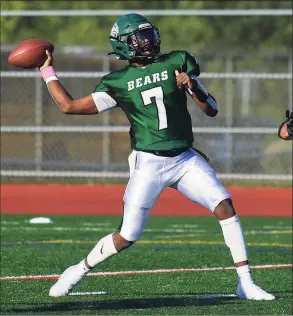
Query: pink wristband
point(48, 72)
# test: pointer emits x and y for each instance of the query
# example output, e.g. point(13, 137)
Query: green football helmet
point(134, 37)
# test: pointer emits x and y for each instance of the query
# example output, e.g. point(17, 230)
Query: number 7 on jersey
point(158, 95)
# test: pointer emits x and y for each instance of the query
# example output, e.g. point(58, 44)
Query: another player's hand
point(48, 62)
point(183, 79)
point(286, 128)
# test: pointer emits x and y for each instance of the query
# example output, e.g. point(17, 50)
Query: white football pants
point(188, 172)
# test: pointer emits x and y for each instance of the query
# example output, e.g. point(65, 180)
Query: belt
point(166, 153)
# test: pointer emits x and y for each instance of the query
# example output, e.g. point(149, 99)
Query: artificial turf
point(167, 243)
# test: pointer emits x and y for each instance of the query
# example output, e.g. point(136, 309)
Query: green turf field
point(167, 243)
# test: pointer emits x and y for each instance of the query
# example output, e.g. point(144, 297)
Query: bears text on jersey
point(142, 81)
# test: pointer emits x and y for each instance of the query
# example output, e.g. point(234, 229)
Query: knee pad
point(133, 221)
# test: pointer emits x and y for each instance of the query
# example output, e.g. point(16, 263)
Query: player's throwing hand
point(48, 62)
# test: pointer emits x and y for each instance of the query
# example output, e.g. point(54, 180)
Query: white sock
point(83, 267)
point(103, 250)
point(234, 238)
point(244, 274)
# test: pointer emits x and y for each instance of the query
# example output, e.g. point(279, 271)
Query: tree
point(195, 33)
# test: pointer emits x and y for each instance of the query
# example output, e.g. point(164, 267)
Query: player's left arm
point(200, 96)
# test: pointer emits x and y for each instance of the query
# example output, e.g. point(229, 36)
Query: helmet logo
point(144, 25)
point(114, 30)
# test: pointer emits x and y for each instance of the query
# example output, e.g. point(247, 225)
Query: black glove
point(289, 121)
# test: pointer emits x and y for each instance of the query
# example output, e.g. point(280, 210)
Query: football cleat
point(253, 292)
point(68, 279)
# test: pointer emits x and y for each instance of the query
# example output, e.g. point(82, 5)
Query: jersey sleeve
point(190, 64)
point(104, 98)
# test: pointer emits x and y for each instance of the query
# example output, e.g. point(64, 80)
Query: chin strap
point(118, 56)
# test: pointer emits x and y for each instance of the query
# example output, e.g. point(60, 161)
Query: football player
point(151, 90)
point(286, 128)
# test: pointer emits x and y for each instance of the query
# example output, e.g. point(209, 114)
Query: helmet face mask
point(134, 37)
point(145, 42)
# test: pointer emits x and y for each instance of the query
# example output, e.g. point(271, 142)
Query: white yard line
point(199, 297)
point(211, 296)
point(190, 232)
point(95, 229)
point(10, 223)
point(96, 224)
point(87, 293)
point(35, 227)
point(277, 227)
point(184, 226)
point(121, 273)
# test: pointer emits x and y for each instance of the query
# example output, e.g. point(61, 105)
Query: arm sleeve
point(190, 65)
point(104, 98)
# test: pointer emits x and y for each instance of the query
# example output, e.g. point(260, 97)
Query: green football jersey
point(154, 105)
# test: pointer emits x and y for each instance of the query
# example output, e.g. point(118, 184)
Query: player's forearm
point(85, 105)
point(206, 107)
point(68, 105)
point(62, 98)
point(203, 99)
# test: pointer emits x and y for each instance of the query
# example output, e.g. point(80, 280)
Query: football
point(30, 53)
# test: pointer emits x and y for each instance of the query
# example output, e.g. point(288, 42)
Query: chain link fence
point(40, 141)
point(253, 91)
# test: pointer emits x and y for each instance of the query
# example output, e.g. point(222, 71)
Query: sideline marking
point(55, 276)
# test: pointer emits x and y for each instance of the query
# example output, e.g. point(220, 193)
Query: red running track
point(48, 199)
